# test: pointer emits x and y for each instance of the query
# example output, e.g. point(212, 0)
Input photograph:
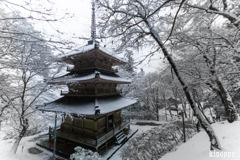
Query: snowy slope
point(197, 148)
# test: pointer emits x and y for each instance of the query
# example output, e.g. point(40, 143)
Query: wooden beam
point(107, 123)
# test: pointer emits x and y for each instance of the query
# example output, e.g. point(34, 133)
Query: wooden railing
point(102, 68)
point(90, 141)
point(89, 93)
point(104, 138)
point(74, 137)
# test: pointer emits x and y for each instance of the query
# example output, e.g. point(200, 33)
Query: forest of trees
point(198, 40)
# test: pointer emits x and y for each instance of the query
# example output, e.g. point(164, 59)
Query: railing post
point(55, 136)
point(97, 141)
point(113, 128)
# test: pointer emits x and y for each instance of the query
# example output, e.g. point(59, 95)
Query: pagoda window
point(110, 119)
point(118, 117)
point(110, 122)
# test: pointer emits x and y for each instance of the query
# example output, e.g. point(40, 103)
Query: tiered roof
point(86, 106)
point(91, 104)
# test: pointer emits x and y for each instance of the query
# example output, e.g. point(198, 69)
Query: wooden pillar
point(114, 125)
point(184, 136)
point(72, 125)
point(106, 145)
point(55, 136)
point(83, 126)
point(107, 123)
point(115, 89)
point(95, 127)
point(50, 136)
point(114, 118)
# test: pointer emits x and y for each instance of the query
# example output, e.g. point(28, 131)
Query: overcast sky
point(79, 26)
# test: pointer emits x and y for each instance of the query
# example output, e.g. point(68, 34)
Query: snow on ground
point(197, 147)
point(22, 152)
point(26, 143)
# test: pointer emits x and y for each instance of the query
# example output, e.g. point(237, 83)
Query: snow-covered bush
point(154, 143)
point(84, 154)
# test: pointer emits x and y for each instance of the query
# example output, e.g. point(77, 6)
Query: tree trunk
point(221, 91)
point(165, 105)
point(184, 109)
point(201, 109)
point(206, 126)
point(157, 113)
point(157, 106)
point(18, 139)
point(165, 111)
point(170, 112)
point(230, 108)
point(213, 118)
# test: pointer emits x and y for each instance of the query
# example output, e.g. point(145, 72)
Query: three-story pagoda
point(92, 99)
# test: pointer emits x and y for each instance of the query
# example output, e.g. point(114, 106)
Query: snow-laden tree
point(129, 67)
point(26, 58)
point(212, 44)
point(136, 24)
point(155, 143)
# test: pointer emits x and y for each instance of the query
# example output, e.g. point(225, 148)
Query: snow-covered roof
point(90, 47)
point(86, 106)
point(76, 78)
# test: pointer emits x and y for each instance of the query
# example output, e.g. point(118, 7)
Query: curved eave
point(90, 81)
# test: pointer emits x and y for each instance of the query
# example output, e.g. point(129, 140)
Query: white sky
point(79, 26)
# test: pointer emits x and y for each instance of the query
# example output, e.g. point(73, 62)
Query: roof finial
point(93, 27)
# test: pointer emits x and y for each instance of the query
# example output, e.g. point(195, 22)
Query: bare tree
point(26, 58)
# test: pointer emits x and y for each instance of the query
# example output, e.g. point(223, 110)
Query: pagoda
point(92, 105)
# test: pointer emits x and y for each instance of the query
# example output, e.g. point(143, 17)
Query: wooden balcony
point(91, 142)
point(89, 93)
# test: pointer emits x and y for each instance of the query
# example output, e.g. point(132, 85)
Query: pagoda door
point(110, 122)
